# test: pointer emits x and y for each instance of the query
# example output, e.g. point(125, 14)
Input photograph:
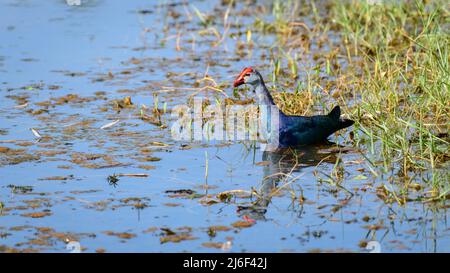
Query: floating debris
point(121, 235)
point(175, 237)
point(213, 245)
point(172, 204)
point(62, 178)
point(20, 189)
point(112, 180)
point(227, 246)
point(182, 191)
point(37, 214)
point(36, 133)
point(132, 174)
point(219, 228)
point(109, 124)
point(123, 103)
point(208, 201)
point(242, 224)
point(21, 106)
point(158, 144)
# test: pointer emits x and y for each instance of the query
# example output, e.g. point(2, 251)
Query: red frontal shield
point(240, 79)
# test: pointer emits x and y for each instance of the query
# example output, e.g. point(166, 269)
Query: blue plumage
point(295, 130)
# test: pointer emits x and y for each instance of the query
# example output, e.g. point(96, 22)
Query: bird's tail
point(336, 115)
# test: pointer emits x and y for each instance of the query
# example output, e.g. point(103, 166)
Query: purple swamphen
point(294, 130)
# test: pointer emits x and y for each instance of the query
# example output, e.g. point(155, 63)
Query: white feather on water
point(109, 124)
point(36, 133)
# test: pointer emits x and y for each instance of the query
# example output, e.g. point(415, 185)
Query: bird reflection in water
point(280, 167)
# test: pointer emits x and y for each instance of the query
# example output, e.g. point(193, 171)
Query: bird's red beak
point(240, 79)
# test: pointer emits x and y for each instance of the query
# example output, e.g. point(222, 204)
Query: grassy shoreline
point(387, 65)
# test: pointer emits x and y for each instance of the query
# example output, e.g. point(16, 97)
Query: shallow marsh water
point(56, 189)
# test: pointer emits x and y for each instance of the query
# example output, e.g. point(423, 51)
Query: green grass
point(394, 82)
point(403, 89)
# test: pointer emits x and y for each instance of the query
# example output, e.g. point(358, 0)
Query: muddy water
point(62, 183)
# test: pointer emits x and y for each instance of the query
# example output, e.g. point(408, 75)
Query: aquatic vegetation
point(37, 214)
point(389, 64)
point(20, 189)
point(105, 114)
point(112, 180)
point(181, 234)
point(121, 235)
point(403, 86)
